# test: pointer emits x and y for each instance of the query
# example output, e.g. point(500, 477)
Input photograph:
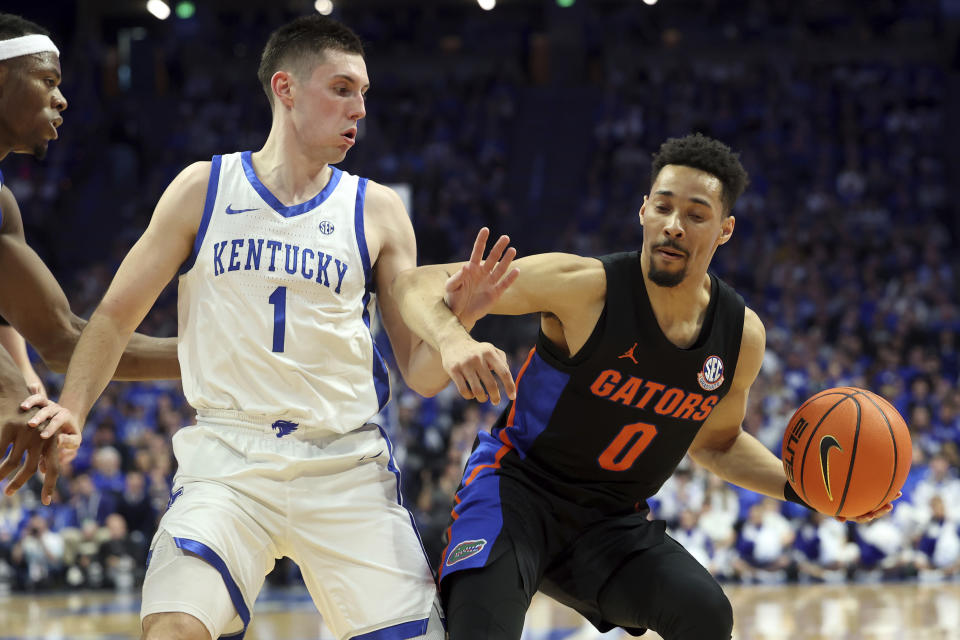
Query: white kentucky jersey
point(275, 304)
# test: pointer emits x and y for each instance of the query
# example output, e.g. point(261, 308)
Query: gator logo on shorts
point(284, 427)
point(464, 550)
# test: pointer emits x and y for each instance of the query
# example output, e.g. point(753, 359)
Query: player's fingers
point(51, 471)
point(34, 400)
point(476, 256)
point(454, 282)
point(25, 473)
point(56, 422)
point(496, 252)
point(473, 381)
point(37, 388)
point(461, 383)
point(489, 384)
point(12, 461)
point(503, 264)
point(43, 414)
point(67, 455)
point(505, 282)
point(502, 370)
point(69, 440)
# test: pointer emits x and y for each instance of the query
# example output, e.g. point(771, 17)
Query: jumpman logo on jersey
point(231, 211)
point(284, 427)
point(629, 354)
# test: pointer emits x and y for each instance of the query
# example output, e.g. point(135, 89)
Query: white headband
point(25, 45)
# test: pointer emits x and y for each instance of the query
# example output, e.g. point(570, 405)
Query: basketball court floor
point(820, 612)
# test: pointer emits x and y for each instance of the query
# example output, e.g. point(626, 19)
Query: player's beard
point(40, 151)
point(664, 278)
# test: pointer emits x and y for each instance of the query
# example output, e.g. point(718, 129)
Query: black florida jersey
point(607, 427)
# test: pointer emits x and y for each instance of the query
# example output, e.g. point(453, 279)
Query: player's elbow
point(425, 388)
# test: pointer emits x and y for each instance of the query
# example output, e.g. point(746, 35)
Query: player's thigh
point(486, 603)
point(185, 597)
point(360, 553)
point(209, 557)
point(664, 588)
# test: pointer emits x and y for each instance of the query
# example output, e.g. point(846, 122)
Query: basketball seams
point(810, 438)
point(893, 439)
point(853, 454)
point(821, 408)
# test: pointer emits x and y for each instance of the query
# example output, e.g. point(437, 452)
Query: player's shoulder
point(10, 221)
point(380, 199)
point(194, 176)
point(752, 346)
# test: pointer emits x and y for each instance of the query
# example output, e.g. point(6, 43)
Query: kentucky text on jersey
point(256, 253)
point(610, 384)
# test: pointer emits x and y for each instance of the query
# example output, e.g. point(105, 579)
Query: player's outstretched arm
point(390, 234)
point(724, 448)
point(146, 270)
point(32, 302)
point(16, 346)
point(566, 286)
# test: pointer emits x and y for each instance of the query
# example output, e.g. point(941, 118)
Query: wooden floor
point(843, 612)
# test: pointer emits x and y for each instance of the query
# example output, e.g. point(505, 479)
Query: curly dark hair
point(301, 41)
point(13, 26)
point(706, 154)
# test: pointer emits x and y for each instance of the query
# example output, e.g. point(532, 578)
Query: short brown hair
point(303, 40)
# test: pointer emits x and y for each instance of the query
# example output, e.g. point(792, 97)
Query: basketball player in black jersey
point(31, 107)
point(642, 358)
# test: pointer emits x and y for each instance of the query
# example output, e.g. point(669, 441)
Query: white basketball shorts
point(242, 498)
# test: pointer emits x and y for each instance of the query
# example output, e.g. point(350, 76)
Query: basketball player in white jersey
point(31, 105)
point(278, 255)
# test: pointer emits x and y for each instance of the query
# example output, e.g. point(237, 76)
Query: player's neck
point(680, 310)
point(291, 174)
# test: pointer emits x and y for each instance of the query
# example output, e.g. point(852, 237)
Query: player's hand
point(475, 368)
point(473, 290)
point(16, 434)
point(60, 421)
point(876, 513)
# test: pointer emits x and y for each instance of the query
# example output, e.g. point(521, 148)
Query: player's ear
point(643, 209)
point(726, 228)
point(282, 85)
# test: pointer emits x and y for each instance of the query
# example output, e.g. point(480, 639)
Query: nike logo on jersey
point(827, 443)
point(272, 255)
point(370, 457)
point(642, 394)
point(284, 427)
point(231, 211)
point(629, 354)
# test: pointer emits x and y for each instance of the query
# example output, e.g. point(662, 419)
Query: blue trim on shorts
point(211, 198)
point(478, 522)
point(211, 557)
point(401, 631)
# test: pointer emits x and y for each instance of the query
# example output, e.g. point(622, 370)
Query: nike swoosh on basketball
point(827, 443)
point(231, 211)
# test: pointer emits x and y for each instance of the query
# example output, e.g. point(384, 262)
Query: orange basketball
point(846, 451)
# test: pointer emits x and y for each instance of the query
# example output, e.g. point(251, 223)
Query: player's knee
point(173, 626)
point(711, 618)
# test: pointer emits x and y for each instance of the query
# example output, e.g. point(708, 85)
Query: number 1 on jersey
point(279, 301)
point(617, 456)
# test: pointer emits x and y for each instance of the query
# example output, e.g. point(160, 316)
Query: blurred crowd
point(845, 244)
